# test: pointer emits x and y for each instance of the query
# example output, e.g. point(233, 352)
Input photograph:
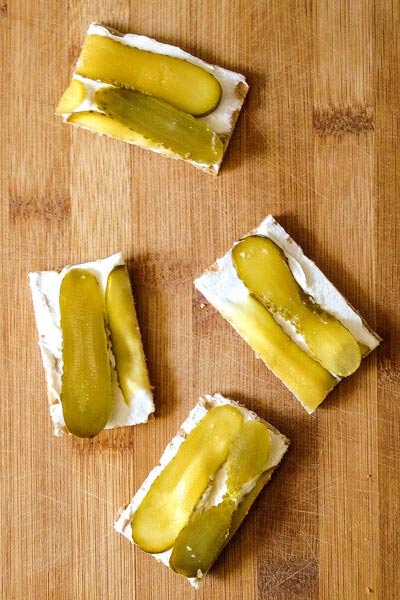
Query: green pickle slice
point(171, 499)
point(180, 83)
point(100, 123)
point(263, 268)
point(86, 393)
point(161, 123)
point(200, 542)
point(303, 375)
point(125, 334)
point(248, 456)
point(199, 545)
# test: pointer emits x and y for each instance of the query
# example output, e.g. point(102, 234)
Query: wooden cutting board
point(317, 146)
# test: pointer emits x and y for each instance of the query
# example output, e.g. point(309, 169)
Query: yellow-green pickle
point(303, 375)
point(125, 334)
point(73, 96)
point(173, 496)
point(263, 268)
point(86, 393)
point(247, 458)
point(182, 84)
point(200, 542)
point(162, 123)
point(100, 123)
point(247, 502)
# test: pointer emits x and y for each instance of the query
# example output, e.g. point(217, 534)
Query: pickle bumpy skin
point(125, 334)
point(263, 268)
point(86, 393)
point(182, 84)
point(167, 507)
point(161, 123)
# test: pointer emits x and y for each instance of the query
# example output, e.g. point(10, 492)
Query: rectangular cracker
point(222, 287)
point(45, 288)
point(222, 120)
point(279, 447)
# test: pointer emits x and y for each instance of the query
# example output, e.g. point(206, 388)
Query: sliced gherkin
point(303, 375)
point(203, 539)
point(161, 123)
point(171, 499)
point(178, 82)
point(100, 123)
point(199, 543)
point(263, 268)
point(73, 97)
point(125, 334)
point(248, 456)
point(86, 393)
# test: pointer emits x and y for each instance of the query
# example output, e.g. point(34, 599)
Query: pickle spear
point(125, 334)
point(86, 393)
point(178, 82)
point(263, 268)
point(161, 123)
point(200, 542)
point(303, 375)
point(171, 499)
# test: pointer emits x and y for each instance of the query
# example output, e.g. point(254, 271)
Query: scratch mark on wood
point(388, 372)
point(92, 495)
point(297, 577)
point(338, 121)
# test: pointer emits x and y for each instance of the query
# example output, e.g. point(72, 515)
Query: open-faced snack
point(209, 475)
point(288, 312)
point(91, 347)
point(155, 96)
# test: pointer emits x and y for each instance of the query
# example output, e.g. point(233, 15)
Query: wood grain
point(317, 146)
